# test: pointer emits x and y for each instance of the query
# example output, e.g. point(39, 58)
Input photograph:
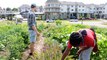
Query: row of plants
point(51, 51)
point(13, 40)
point(61, 32)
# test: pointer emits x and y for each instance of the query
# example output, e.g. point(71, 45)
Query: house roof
point(72, 3)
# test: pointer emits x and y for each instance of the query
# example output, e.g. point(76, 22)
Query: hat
point(33, 5)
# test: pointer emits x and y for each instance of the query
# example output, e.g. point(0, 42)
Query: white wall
point(82, 9)
point(92, 9)
point(72, 8)
point(105, 9)
point(63, 8)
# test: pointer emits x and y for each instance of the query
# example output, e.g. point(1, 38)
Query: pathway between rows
point(38, 48)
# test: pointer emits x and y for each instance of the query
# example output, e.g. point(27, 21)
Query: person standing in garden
point(33, 32)
point(85, 40)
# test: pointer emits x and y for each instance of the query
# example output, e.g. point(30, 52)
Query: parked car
point(73, 19)
point(49, 20)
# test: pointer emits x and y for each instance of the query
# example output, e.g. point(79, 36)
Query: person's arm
point(66, 52)
point(82, 49)
point(32, 25)
point(35, 29)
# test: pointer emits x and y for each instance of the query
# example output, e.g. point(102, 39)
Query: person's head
point(75, 39)
point(33, 7)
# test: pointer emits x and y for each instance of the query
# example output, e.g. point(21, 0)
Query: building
point(52, 9)
point(55, 9)
point(27, 8)
point(24, 9)
point(105, 11)
point(102, 10)
point(40, 9)
point(7, 13)
point(71, 10)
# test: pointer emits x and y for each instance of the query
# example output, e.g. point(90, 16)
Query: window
point(94, 8)
point(49, 9)
point(82, 6)
point(71, 5)
point(103, 12)
point(72, 9)
point(100, 11)
point(79, 6)
point(82, 9)
point(56, 5)
point(103, 8)
point(68, 5)
point(48, 4)
point(61, 9)
point(52, 5)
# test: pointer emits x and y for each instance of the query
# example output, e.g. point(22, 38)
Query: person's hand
point(38, 33)
point(78, 52)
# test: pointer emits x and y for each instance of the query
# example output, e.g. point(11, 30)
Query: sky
point(17, 3)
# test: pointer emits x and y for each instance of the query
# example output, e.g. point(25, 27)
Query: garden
point(14, 39)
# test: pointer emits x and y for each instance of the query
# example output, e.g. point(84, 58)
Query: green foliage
point(61, 34)
point(14, 38)
point(88, 16)
point(41, 27)
point(102, 44)
point(58, 22)
point(50, 51)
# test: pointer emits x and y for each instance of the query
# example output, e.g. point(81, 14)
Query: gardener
point(85, 40)
point(32, 27)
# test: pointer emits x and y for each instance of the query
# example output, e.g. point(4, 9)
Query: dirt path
point(38, 48)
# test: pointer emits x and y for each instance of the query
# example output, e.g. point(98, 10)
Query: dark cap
point(33, 5)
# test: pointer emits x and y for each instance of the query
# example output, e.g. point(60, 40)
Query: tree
point(95, 17)
point(15, 9)
point(88, 15)
point(8, 9)
point(80, 16)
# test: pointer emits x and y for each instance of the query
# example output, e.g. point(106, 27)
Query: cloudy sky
point(17, 3)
